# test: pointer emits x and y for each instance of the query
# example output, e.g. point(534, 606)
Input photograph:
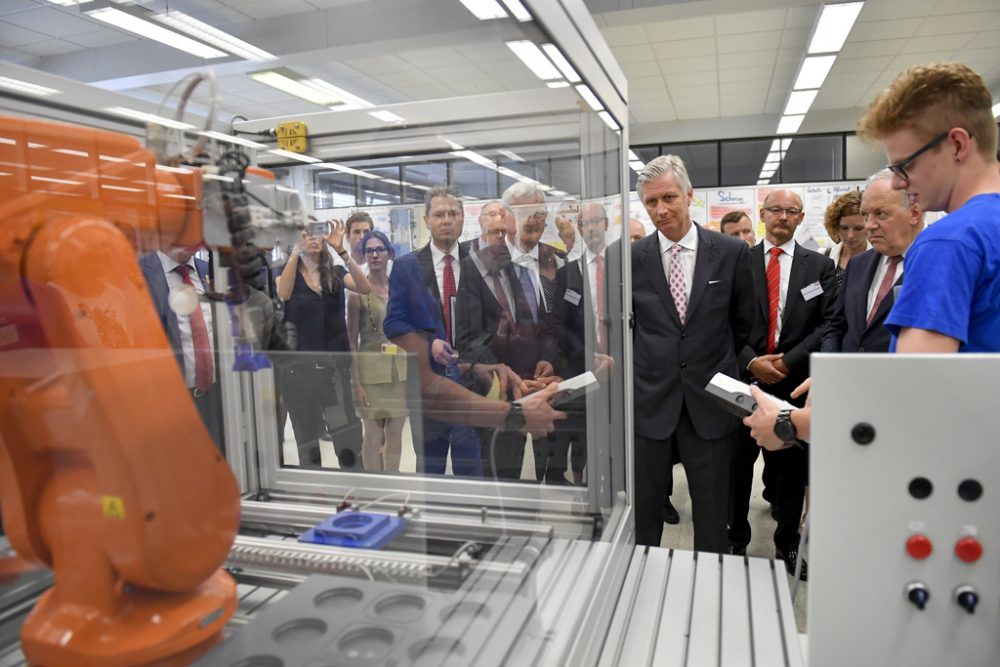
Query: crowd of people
point(486, 328)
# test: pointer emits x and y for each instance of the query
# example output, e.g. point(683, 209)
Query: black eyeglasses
point(777, 210)
point(899, 168)
point(380, 250)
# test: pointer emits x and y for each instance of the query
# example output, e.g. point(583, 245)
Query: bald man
point(636, 230)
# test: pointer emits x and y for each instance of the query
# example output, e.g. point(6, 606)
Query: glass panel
point(701, 160)
point(862, 159)
point(742, 161)
point(811, 159)
point(334, 189)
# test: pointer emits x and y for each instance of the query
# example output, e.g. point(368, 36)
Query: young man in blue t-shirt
point(936, 125)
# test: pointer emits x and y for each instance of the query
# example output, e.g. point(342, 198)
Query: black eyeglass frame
point(899, 168)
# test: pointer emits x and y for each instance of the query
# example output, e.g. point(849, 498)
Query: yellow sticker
point(113, 507)
point(389, 348)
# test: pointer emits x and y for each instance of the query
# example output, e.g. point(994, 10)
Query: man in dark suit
point(495, 325)
point(859, 314)
point(525, 220)
point(176, 278)
point(492, 210)
point(795, 293)
point(692, 297)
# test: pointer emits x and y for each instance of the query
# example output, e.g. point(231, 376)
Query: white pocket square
point(712, 282)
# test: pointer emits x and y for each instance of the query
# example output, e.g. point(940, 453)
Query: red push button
point(968, 549)
point(919, 546)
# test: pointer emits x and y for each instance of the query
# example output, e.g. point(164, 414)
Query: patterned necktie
point(505, 310)
point(678, 288)
point(773, 297)
point(449, 292)
point(883, 289)
point(599, 280)
point(529, 291)
point(204, 370)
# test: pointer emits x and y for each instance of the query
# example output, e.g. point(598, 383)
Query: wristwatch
point(784, 428)
point(515, 418)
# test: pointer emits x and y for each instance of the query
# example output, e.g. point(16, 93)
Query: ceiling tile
point(685, 48)
point(857, 80)
point(437, 57)
point(692, 79)
point(456, 72)
point(848, 65)
point(903, 61)
point(747, 59)
point(867, 31)
point(662, 31)
point(273, 8)
point(658, 95)
point(884, 47)
point(634, 70)
point(786, 56)
point(750, 22)
point(52, 22)
point(979, 56)
point(801, 17)
point(409, 78)
point(13, 36)
point(698, 111)
point(98, 38)
point(645, 83)
point(692, 94)
point(49, 47)
point(838, 97)
point(702, 64)
point(984, 40)
point(634, 54)
point(379, 64)
point(743, 87)
point(956, 23)
point(476, 86)
point(749, 42)
point(762, 75)
point(625, 35)
point(14, 6)
point(892, 11)
point(954, 42)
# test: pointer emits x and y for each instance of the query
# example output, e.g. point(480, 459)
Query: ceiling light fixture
point(149, 118)
point(557, 57)
point(25, 87)
point(589, 97)
point(834, 25)
point(799, 102)
point(149, 30)
point(228, 138)
point(813, 72)
point(608, 120)
point(636, 165)
point(511, 155)
point(517, 9)
point(292, 87)
point(484, 10)
point(534, 59)
point(789, 124)
point(208, 33)
point(351, 100)
point(349, 170)
point(558, 84)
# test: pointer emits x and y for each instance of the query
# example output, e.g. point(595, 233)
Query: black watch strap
point(784, 428)
point(515, 418)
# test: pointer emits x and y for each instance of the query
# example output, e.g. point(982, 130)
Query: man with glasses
point(866, 297)
point(937, 128)
point(491, 211)
point(795, 294)
point(525, 226)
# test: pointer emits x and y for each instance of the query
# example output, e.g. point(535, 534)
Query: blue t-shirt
point(952, 280)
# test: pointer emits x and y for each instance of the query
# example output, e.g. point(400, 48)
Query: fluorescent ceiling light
point(835, 23)
point(68, 3)
point(511, 155)
point(24, 87)
point(799, 102)
point(558, 84)
point(293, 87)
point(588, 95)
point(473, 156)
point(771, 165)
point(636, 165)
point(532, 56)
point(294, 156)
point(785, 143)
point(349, 170)
point(789, 124)
point(386, 116)
point(775, 146)
point(996, 110)
point(764, 181)
point(767, 173)
point(556, 56)
point(608, 120)
point(339, 94)
point(150, 118)
point(208, 33)
point(143, 28)
point(813, 72)
point(452, 145)
point(228, 138)
point(775, 156)
point(517, 9)
point(484, 10)
point(633, 156)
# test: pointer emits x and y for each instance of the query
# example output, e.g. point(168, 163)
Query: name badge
point(389, 348)
point(810, 292)
point(573, 297)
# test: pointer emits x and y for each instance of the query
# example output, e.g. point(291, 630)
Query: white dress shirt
point(175, 282)
point(437, 256)
point(883, 267)
point(529, 260)
point(785, 264)
point(688, 256)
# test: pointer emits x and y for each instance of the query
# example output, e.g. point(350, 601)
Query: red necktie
point(203, 363)
point(599, 279)
point(883, 289)
point(773, 297)
point(449, 292)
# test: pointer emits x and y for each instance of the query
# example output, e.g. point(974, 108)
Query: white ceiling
point(696, 70)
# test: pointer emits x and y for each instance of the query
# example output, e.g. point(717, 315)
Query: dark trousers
point(506, 458)
point(707, 464)
point(439, 439)
point(786, 485)
point(318, 398)
point(209, 406)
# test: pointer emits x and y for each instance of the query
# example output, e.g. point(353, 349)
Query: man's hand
point(442, 352)
point(544, 369)
point(505, 375)
point(763, 368)
point(780, 365)
point(804, 389)
point(761, 421)
point(602, 366)
point(539, 416)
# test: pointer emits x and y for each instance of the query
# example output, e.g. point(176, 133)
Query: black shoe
point(670, 514)
point(789, 557)
point(738, 551)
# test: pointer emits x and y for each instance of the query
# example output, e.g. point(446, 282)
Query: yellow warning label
point(294, 144)
point(289, 130)
point(113, 507)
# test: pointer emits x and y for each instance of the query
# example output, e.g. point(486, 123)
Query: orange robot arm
point(106, 472)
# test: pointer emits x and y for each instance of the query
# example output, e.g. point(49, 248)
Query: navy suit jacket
point(803, 323)
point(674, 361)
point(156, 279)
point(849, 330)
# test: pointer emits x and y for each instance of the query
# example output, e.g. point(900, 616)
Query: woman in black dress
point(316, 384)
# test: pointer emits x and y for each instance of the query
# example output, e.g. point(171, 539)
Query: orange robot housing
point(106, 472)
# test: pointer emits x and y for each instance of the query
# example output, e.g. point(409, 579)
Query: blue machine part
point(361, 530)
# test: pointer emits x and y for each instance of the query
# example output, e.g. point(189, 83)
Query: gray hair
point(440, 191)
point(522, 190)
point(886, 175)
point(665, 164)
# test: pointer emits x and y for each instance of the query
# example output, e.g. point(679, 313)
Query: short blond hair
point(844, 206)
point(931, 99)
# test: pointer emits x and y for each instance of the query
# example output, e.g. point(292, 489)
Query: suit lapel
point(426, 261)
point(796, 280)
point(704, 268)
point(862, 304)
point(886, 305)
point(759, 277)
point(653, 265)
